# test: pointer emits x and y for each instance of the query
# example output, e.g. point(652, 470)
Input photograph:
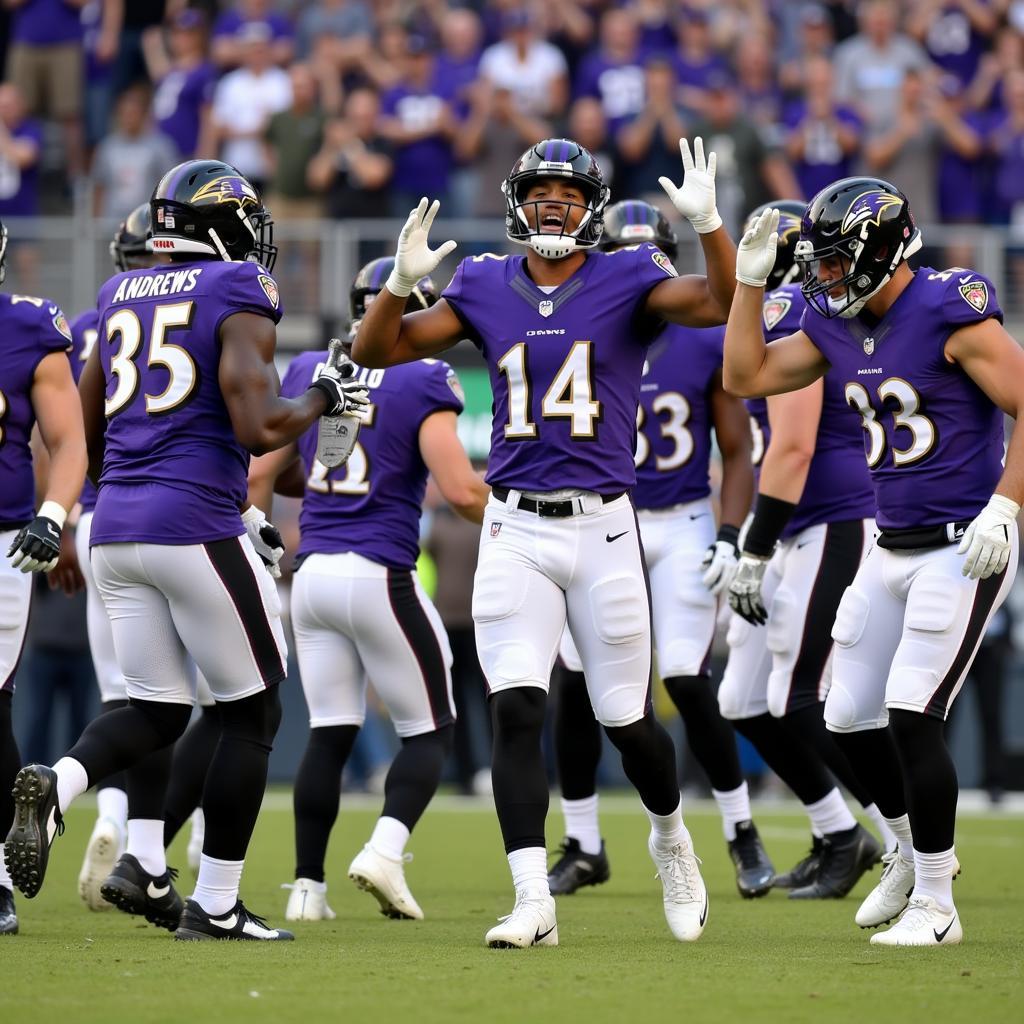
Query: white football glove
point(414, 258)
point(745, 590)
point(755, 255)
point(987, 541)
point(695, 198)
point(346, 395)
point(719, 565)
point(266, 539)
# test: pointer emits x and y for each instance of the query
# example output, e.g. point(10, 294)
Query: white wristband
point(1004, 506)
point(705, 225)
point(398, 285)
point(253, 515)
point(51, 510)
point(752, 281)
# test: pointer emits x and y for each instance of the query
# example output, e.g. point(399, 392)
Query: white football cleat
point(890, 897)
point(531, 923)
point(106, 844)
point(924, 923)
point(308, 901)
point(686, 898)
point(194, 850)
point(384, 877)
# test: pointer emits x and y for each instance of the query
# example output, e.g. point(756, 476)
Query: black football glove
point(343, 395)
point(36, 548)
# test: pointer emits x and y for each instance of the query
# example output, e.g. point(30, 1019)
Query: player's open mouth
point(552, 223)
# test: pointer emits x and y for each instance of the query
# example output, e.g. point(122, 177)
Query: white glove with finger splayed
point(414, 258)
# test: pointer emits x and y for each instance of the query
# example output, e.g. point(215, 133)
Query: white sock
point(113, 804)
point(217, 885)
point(900, 828)
point(885, 833)
point(5, 877)
point(529, 869)
point(668, 830)
point(830, 814)
point(389, 838)
point(582, 824)
point(734, 806)
point(933, 876)
point(146, 844)
point(72, 781)
point(198, 827)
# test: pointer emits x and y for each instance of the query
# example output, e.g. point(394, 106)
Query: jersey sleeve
point(457, 298)
point(969, 298)
point(442, 390)
point(652, 267)
point(54, 332)
point(252, 290)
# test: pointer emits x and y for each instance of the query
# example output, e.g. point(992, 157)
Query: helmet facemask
point(548, 244)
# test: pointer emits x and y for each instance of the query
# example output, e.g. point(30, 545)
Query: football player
point(179, 389)
point(681, 400)
point(358, 611)
point(564, 331)
point(930, 371)
point(812, 525)
point(36, 386)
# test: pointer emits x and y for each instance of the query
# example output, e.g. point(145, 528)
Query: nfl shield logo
point(869, 346)
point(546, 307)
point(975, 294)
point(495, 529)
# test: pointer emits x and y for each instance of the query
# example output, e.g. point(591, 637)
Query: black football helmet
point(370, 280)
point(3, 251)
point(866, 223)
point(129, 248)
point(791, 212)
point(631, 221)
point(555, 158)
point(207, 207)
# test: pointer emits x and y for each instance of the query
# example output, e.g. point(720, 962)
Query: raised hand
point(755, 255)
point(414, 258)
point(695, 198)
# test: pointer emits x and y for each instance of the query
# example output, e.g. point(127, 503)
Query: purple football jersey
point(933, 439)
point(83, 338)
point(565, 367)
point(673, 450)
point(372, 504)
point(33, 328)
point(173, 471)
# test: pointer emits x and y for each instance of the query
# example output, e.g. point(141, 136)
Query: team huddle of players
point(860, 587)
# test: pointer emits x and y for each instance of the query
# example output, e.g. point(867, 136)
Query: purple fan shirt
point(953, 44)
point(173, 471)
point(179, 101)
point(46, 23)
point(673, 450)
point(422, 166)
point(823, 160)
point(933, 439)
point(83, 338)
point(618, 85)
point(565, 367)
point(19, 187)
point(372, 504)
point(230, 23)
point(33, 328)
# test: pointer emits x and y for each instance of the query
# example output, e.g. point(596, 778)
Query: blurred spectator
point(45, 63)
point(814, 38)
point(1007, 144)
point(130, 161)
point(381, 66)
point(648, 146)
point(954, 33)
point(354, 164)
point(695, 59)
point(823, 135)
point(614, 73)
point(530, 68)
point(588, 126)
point(124, 26)
point(751, 170)
point(654, 18)
point(335, 29)
point(457, 65)
point(97, 95)
point(961, 185)
point(907, 152)
point(230, 35)
point(21, 139)
point(572, 25)
point(243, 103)
point(185, 79)
point(294, 136)
point(758, 84)
point(986, 90)
point(870, 66)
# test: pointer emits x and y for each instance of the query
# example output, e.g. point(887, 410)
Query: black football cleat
point(575, 869)
point(131, 888)
point(845, 856)
point(37, 820)
point(197, 925)
point(803, 872)
point(754, 871)
point(8, 915)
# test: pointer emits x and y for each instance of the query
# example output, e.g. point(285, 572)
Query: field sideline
point(766, 960)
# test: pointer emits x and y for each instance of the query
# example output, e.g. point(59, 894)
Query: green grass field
point(765, 960)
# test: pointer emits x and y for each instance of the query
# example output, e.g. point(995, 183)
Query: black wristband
point(770, 518)
point(327, 391)
point(729, 534)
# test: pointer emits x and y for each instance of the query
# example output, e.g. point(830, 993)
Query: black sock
point(146, 784)
point(873, 754)
point(518, 777)
point(795, 763)
point(929, 779)
point(415, 774)
point(710, 736)
point(649, 761)
point(577, 738)
point(10, 763)
point(808, 724)
point(317, 793)
point(192, 756)
point(237, 777)
point(116, 780)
